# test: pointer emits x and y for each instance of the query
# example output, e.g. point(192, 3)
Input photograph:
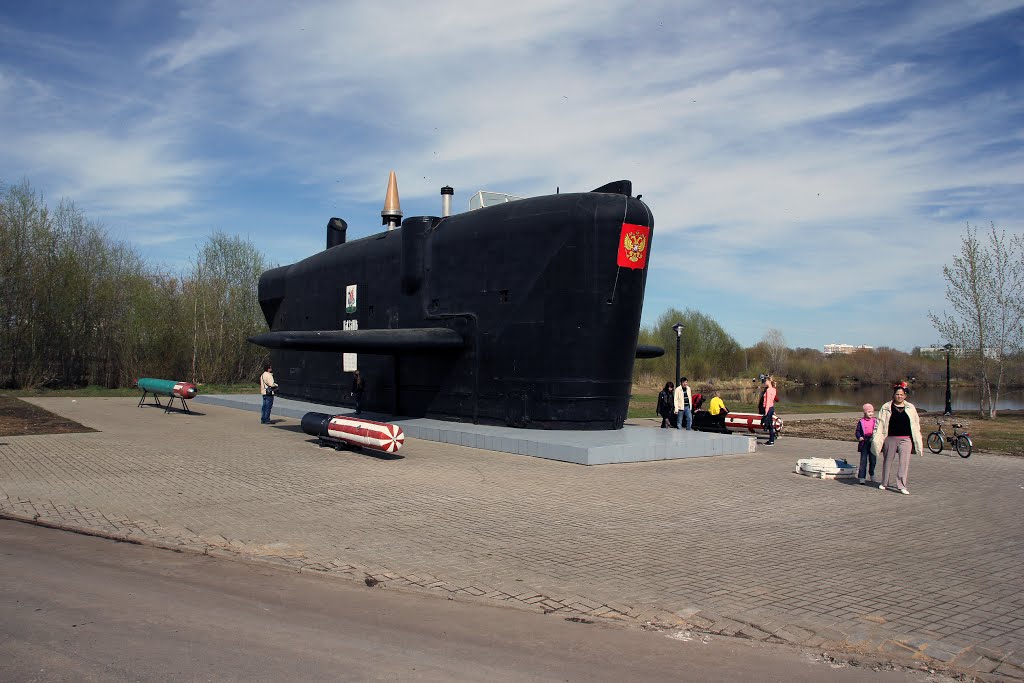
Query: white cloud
point(134, 174)
point(776, 142)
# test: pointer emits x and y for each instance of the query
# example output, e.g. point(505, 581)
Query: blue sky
point(810, 166)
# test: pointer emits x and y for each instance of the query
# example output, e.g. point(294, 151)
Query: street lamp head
point(678, 327)
point(948, 347)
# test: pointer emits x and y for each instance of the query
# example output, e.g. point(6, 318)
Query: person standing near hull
point(358, 387)
point(666, 405)
point(267, 388)
point(897, 435)
point(768, 417)
point(683, 400)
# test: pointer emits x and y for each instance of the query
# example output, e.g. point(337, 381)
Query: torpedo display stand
point(169, 388)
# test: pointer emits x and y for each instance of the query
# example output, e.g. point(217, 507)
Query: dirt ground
point(834, 428)
point(18, 418)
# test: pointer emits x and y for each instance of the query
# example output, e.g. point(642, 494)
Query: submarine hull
point(518, 314)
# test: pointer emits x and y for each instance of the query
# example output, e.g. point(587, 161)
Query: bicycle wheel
point(963, 446)
point(935, 442)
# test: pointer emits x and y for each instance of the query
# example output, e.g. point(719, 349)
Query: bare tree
point(776, 352)
point(985, 287)
point(24, 239)
point(223, 288)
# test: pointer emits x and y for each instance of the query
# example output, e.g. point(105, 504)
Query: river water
point(932, 399)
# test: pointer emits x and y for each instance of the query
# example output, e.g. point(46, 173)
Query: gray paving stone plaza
point(737, 545)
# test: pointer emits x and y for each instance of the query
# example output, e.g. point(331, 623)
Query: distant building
point(936, 351)
point(832, 349)
point(939, 351)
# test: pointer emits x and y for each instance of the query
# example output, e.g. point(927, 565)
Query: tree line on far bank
point(79, 308)
point(708, 353)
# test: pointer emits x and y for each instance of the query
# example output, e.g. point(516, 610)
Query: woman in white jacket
point(897, 432)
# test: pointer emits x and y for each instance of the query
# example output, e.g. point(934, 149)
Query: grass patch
point(643, 404)
point(1005, 434)
point(253, 388)
point(783, 408)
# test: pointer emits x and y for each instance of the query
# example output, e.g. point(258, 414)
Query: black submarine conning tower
point(446, 201)
point(391, 215)
point(336, 229)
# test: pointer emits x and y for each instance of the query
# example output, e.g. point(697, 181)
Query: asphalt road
point(79, 608)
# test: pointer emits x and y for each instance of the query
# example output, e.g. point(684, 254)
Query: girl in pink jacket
point(865, 430)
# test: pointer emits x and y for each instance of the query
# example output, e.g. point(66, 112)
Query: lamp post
point(949, 394)
point(678, 327)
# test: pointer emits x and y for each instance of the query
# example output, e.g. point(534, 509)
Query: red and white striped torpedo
point(750, 422)
point(380, 436)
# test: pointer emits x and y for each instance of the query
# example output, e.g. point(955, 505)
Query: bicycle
point(961, 441)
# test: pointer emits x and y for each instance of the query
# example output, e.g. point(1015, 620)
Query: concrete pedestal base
point(629, 444)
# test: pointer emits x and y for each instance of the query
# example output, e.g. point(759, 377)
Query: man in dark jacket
point(665, 408)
